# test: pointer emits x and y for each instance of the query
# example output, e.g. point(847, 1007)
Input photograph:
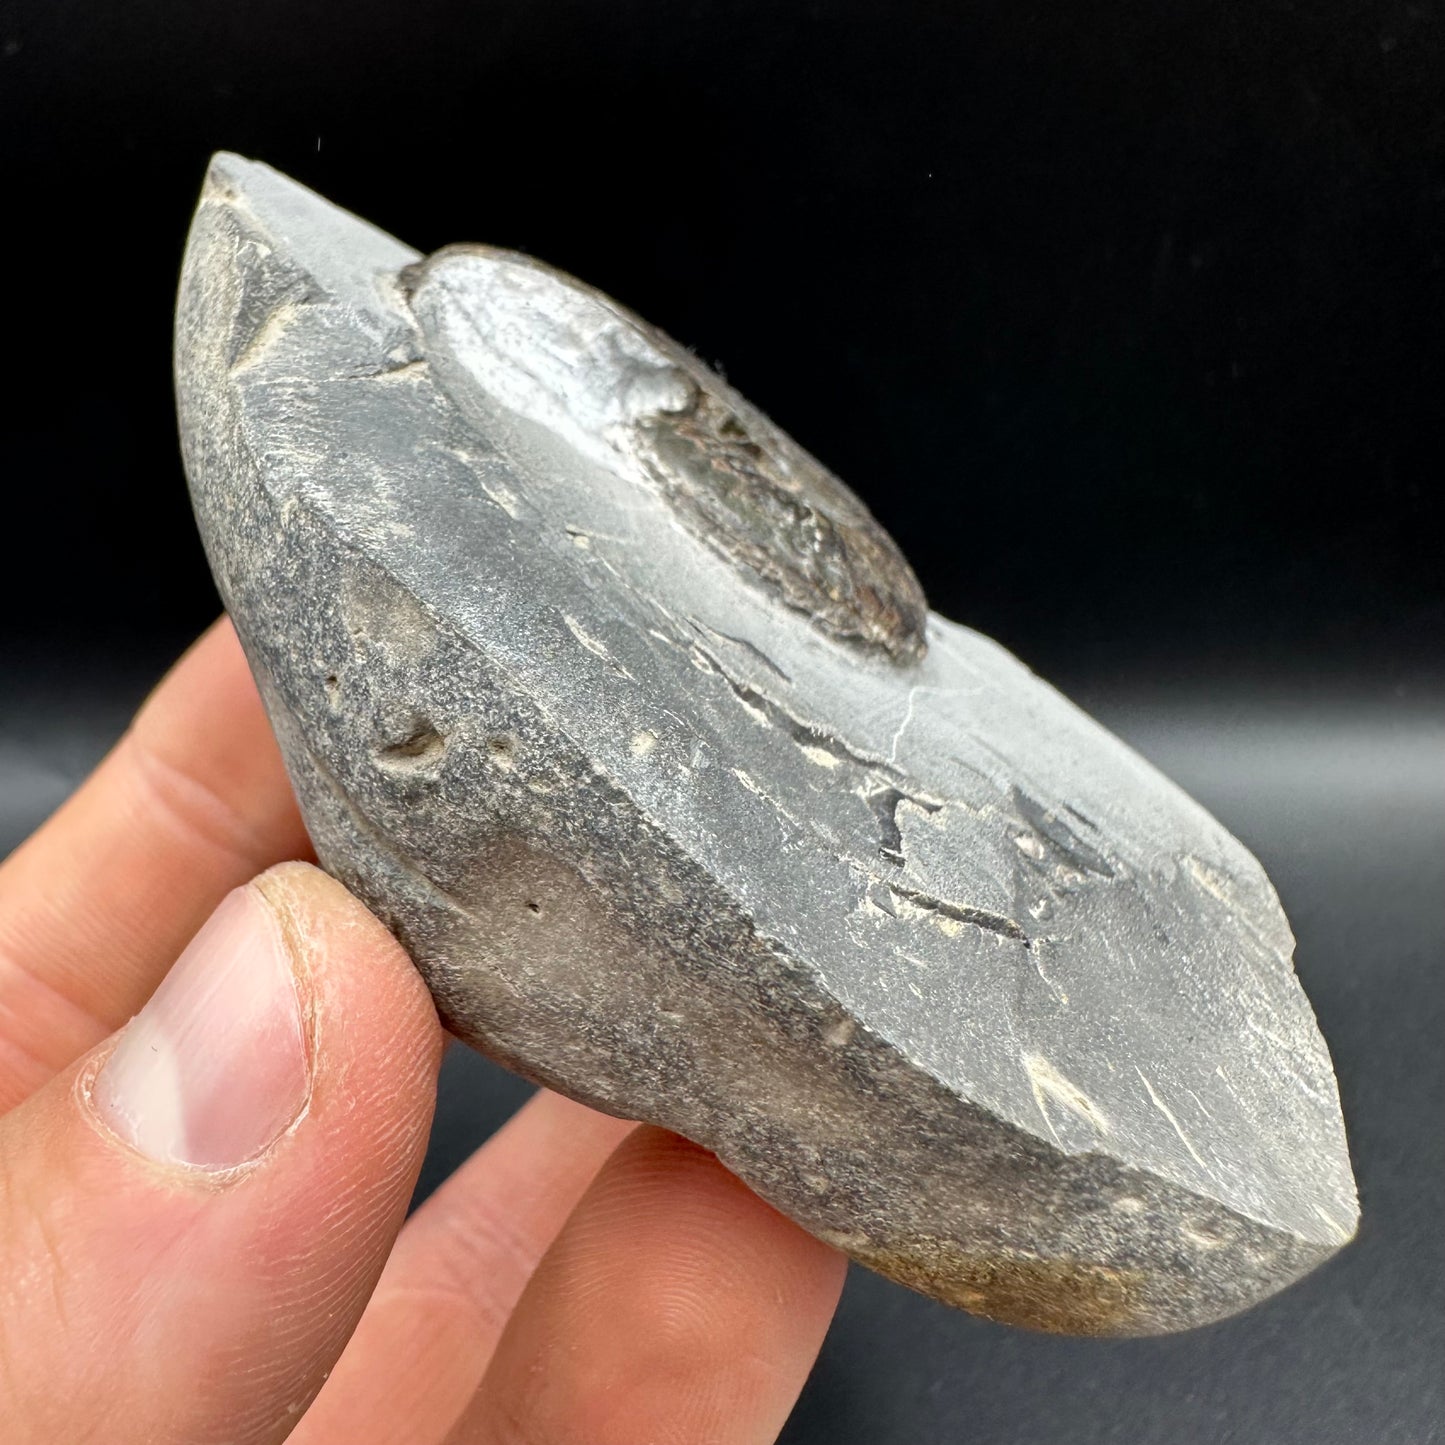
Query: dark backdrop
point(1125, 318)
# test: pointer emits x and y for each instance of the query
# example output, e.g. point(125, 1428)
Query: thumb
point(193, 1217)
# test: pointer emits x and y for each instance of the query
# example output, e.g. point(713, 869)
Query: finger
point(674, 1306)
point(456, 1273)
point(192, 1218)
point(190, 803)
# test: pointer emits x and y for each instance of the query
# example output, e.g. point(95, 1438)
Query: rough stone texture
point(632, 724)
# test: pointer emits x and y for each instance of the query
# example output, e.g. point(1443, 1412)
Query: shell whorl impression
point(563, 355)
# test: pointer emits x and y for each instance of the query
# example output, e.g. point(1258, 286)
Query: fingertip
point(210, 679)
point(365, 996)
point(214, 1194)
point(666, 1220)
point(675, 1304)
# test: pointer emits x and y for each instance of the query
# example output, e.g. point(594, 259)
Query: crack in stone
point(961, 913)
point(803, 733)
point(884, 803)
point(1060, 838)
point(749, 647)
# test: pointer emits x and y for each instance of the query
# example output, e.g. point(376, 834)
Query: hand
point(201, 1215)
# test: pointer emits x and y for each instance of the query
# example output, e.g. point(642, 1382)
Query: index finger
point(190, 803)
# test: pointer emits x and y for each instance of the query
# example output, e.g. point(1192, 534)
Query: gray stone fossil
point(633, 725)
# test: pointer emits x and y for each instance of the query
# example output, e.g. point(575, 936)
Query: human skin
point(203, 1232)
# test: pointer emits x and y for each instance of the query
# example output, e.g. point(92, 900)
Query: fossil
point(633, 725)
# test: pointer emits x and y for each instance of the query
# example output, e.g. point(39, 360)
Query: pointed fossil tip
point(237, 181)
point(339, 253)
point(228, 175)
point(223, 161)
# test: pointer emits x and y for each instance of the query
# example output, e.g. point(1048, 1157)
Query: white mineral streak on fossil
point(633, 725)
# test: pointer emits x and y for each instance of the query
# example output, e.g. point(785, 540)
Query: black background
point(1125, 319)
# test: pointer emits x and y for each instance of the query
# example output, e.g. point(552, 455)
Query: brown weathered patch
point(1060, 1296)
